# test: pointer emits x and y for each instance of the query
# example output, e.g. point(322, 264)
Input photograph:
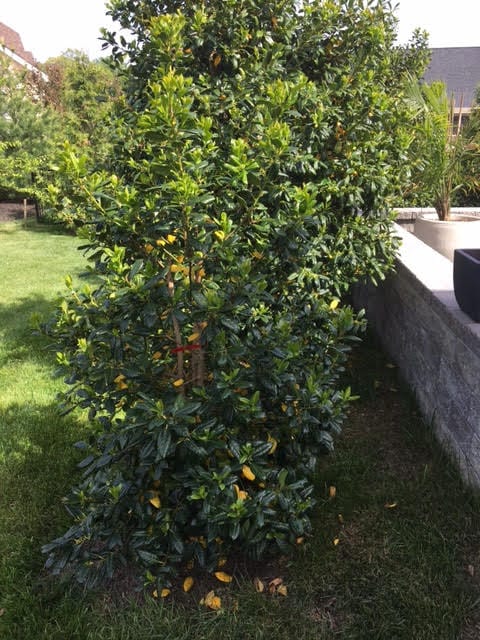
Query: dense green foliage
point(258, 152)
point(30, 133)
point(84, 95)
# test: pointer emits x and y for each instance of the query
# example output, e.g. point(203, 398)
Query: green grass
point(408, 531)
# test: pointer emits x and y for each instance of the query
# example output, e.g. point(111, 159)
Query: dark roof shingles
point(459, 69)
point(12, 40)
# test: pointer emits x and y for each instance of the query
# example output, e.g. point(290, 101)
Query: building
point(11, 46)
point(459, 69)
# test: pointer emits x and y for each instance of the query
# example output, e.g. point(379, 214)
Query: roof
point(459, 69)
point(12, 41)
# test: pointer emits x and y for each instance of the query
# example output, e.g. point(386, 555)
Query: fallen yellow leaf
point(332, 492)
point(274, 584)
point(222, 576)
point(157, 355)
point(390, 505)
point(164, 593)
point(212, 601)
point(282, 590)
point(188, 584)
point(193, 337)
point(247, 473)
point(178, 383)
point(221, 562)
point(300, 540)
point(119, 378)
point(259, 585)
point(149, 247)
point(340, 518)
point(336, 541)
point(155, 594)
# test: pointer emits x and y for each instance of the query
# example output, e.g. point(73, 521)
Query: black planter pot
point(466, 281)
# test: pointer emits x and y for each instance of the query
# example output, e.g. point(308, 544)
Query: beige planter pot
point(460, 232)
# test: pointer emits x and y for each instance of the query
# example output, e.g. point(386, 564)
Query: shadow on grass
point(37, 468)
point(14, 226)
point(19, 329)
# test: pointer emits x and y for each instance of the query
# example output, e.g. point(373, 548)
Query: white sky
point(49, 27)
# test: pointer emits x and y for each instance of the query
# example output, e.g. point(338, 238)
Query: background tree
point(258, 151)
point(84, 93)
point(30, 134)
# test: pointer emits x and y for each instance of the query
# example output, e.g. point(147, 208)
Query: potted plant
point(445, 150)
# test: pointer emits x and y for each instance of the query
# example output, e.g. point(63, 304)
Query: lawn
point(396, 553)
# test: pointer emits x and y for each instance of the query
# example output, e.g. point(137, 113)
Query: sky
point(49, 27)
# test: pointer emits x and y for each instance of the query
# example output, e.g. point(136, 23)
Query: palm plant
point(444, 148)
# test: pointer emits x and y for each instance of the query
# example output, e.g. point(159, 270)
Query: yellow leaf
point(171, 238)
point(155, 501)
point(340, 518)
point(122, 385)
point(212, 601)
point(149, 247)
point(274, 584)
point(300, 540)
point(202, 325)
point(217, 58)
point(155, 594)
point(176, 267)
point(390, 505)
point(248, 473)
point(257, 255)
point(336, 541)
point(160, 242)
point(241, 495)
point(178, 383)
point(220, 235)
point(274, 444)
point(193, 337)
point(188, 584)
point(259, 585)
point(119, 378)
point(332, 492)
point(282, 590)
point(334, 304)
point(164, 593)
point(284, 407)
point(221, 562)
point(222, 576)
point(157, 355)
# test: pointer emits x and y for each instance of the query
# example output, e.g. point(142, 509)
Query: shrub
point(260, 145)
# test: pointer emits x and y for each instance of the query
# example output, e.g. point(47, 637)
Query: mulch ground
point(10, 211)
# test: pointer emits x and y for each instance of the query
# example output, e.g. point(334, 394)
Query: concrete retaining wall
point(434, 344)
